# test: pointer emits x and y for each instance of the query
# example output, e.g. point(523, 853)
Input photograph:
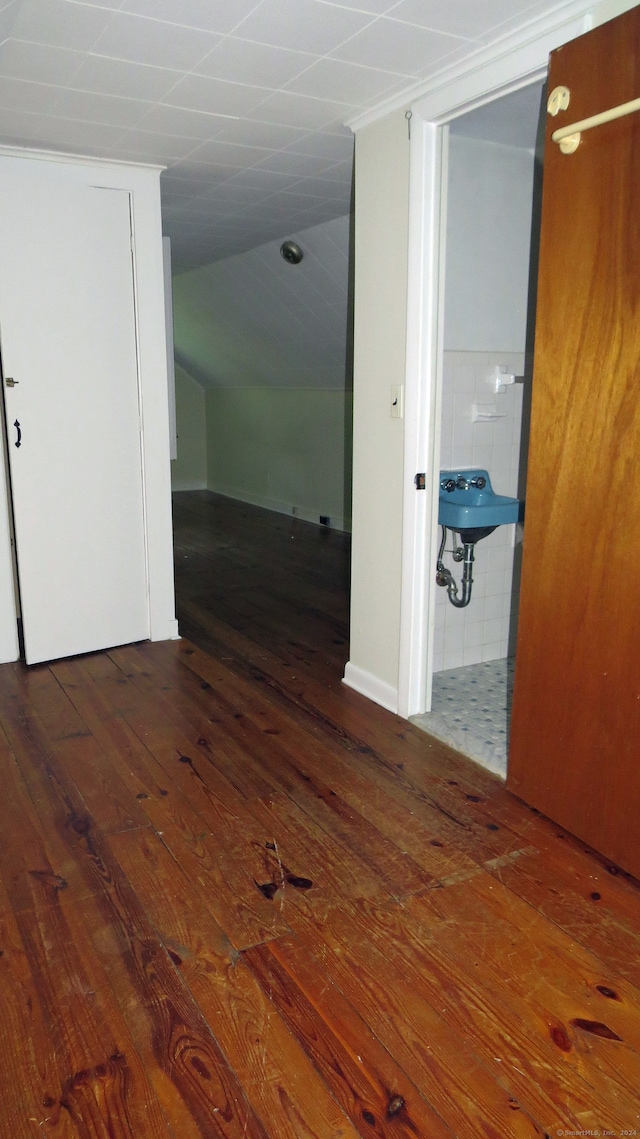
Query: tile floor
point(471, 711)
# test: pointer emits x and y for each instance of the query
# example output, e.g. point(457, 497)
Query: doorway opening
point(262, 480)
point(492, 188)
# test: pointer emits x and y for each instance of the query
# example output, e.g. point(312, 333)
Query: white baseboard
point(371, 686)
point(306, 514)
point(168, 631)
point(188, 484)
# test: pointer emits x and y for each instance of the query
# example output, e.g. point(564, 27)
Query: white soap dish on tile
point(486, 413)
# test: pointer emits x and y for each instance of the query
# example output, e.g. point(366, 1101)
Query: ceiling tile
point(316, 188)
point(251, 133)
point(177, 120)
point(347, 82)
point(393, 46)
point(305, 25)
point(254, 63)
point(16, 125)
point(278, 208)
point(341, 172)
point(151, 41)
point(337, 127)
point(35, 97)
point(233, 195)
point(56, 133)
point(228, 154)
point(325, 144)
point(217, 96)
point(292, 201)
point(7, 17)
point(373, 7)
point(113, 4)
point(262, 179)
point(209, 15)
point(40, 63)
point(121, 77)
point(190, 192)
point(94, 138)
point(513, 16)
point(88, 107)
point(304, 165)
point(177, 192)
point(298, 111)
point(199, 173)
point(151, 146)
point(60, 23)
point(460, 17)
point(456, 16)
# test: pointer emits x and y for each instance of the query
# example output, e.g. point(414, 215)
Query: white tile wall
point(481, 631)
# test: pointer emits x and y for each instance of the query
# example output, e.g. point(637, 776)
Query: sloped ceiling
point(244, 101)
point(255, 321)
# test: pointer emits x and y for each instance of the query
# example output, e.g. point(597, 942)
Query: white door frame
point(516, 62)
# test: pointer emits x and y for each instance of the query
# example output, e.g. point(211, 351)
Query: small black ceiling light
point(291, 252)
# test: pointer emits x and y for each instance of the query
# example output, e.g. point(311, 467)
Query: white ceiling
point(243, 101)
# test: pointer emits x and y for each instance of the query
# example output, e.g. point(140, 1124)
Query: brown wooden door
point(575, 736)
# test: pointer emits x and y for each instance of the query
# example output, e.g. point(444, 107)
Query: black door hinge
point(421, 481)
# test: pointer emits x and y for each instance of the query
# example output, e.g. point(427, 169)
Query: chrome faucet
point(461, 483)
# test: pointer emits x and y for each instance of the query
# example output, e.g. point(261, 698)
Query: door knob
point(10, 382)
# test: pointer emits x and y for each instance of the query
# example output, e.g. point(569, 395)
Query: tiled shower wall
point(481, 631)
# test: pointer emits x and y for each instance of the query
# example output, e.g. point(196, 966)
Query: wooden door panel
point(67, 322)
point(575, 737)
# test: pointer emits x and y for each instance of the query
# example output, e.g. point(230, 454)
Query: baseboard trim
point(168, 631)
point(188, 484)
point(371, 686)
point(304, 513)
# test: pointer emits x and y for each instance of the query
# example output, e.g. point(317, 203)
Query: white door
point(68, 343)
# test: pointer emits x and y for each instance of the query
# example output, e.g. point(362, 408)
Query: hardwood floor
point(237, 899)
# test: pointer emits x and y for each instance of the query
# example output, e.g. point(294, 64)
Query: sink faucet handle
point(448, 485)
point(480, 482)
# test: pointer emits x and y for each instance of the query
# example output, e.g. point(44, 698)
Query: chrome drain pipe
point(444, 576)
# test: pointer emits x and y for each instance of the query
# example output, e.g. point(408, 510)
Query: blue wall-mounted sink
point(467, 502)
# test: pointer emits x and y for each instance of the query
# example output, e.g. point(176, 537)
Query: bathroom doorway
point(493, 186)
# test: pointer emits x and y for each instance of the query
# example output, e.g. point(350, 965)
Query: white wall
point(269, 343)
point(283, 449)
point(381, 227)
point(189, 468)
point(488, 233)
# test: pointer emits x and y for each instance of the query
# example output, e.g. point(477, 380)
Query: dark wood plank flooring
point(237, 899)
